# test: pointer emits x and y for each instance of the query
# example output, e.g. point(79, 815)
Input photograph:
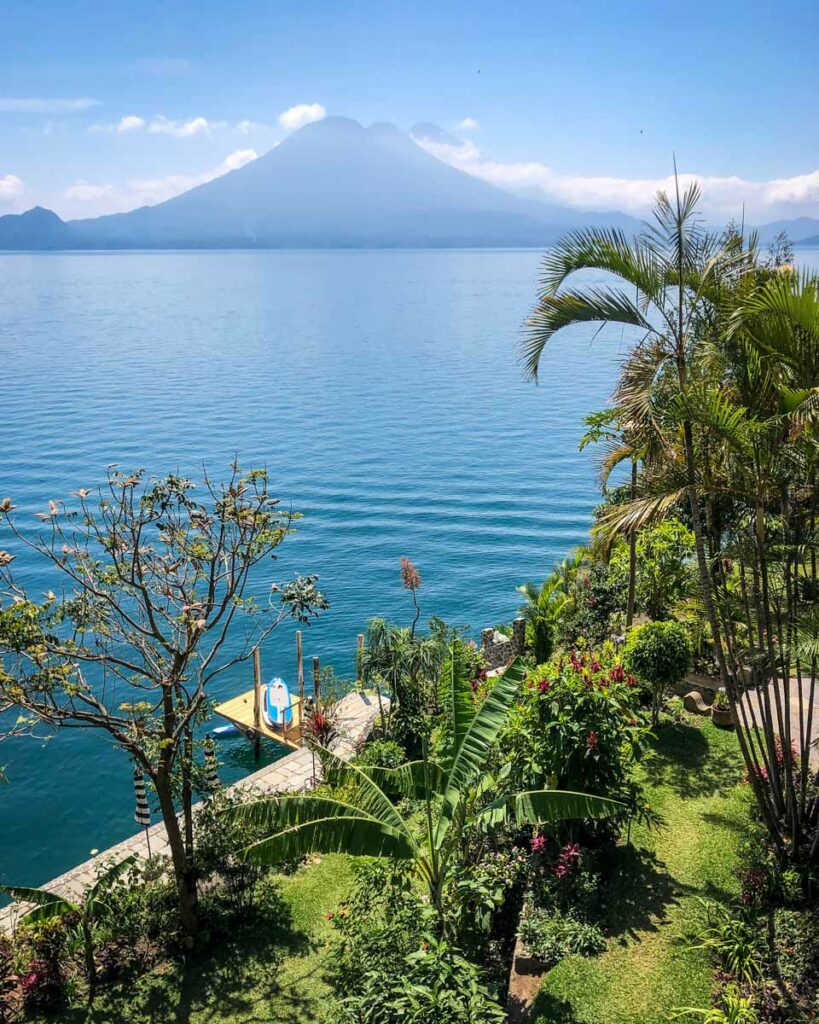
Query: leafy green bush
point(550, 935)
point(666, 573)
point(596, 594)
point(659, 653)
point(219, 838)
point(383, 754)
point(386, 966)
point(435, 984)
point(579, 726)
point(736, 940)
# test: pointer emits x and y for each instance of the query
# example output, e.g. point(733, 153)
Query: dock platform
point(242, 712)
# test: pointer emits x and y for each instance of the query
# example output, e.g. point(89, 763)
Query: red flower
point(570, 852)
point(595, 665)
point(560, 870)
point(538, 844)
point(591, 740)
point(616, 675)
point(544, 686)
point(630, 680)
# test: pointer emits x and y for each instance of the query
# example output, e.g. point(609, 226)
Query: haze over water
point(381, 389)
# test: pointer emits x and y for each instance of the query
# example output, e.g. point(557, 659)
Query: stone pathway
point(708, 686)
point(357, 714)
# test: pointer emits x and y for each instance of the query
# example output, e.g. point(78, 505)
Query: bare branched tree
point(155, 581)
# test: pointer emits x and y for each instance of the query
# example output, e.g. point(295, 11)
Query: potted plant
point(721, 713)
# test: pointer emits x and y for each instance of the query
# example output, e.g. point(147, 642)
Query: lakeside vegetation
point(646, 865)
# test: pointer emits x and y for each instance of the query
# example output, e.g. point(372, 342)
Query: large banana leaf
point(94, 901)
point(49, 904)
point(278, 812)
point(537, 806)
point(409, 780)
point(478, 741)
point(358, 836)
point(361, 790)
point(458, 699)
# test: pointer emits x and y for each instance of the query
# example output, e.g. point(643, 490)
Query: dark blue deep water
point(380, 388)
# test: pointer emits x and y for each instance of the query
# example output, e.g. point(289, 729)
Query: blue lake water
point(381, 389)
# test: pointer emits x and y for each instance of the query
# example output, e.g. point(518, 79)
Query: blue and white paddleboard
point(276, 706)
point(225, 730)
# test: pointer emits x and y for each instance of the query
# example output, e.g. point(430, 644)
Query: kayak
point(276, 707)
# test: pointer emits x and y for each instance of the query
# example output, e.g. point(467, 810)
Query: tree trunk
point(182, 868)
point(632, 554)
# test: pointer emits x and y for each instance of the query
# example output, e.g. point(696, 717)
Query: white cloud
point(469, 124)
point(131, 123)
point(181, 129)
point(99, 199)
point(82, 192)
point(35, 105)
point(10, 187)
point(300, 115)
point(723, 197)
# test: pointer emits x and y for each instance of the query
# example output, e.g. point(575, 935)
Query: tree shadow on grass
point(550, 1009)
point(236, 978)
point(683, 760)
point(638, 893)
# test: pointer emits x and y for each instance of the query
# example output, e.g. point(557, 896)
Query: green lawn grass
point(694, 781)
point(269, 972)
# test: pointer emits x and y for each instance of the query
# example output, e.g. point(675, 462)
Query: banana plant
point(359, 818)
point(48, 906)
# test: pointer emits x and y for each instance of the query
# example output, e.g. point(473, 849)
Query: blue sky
point(581, 103)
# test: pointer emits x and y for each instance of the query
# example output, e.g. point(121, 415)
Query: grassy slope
point(693, 782)
point(273, 974)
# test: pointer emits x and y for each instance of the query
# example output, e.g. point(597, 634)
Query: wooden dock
point(241, 712)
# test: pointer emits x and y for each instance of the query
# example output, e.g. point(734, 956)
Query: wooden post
point(359, 659)
point(300, 668)
point(316, 679)
point(257, 701)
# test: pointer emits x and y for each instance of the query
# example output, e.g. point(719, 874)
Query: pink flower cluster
point(567, 860)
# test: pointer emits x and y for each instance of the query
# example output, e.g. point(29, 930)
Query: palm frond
point(593, 305)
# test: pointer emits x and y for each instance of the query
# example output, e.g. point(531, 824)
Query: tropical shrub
point(659, 653)
point(9, 982)
point(435, 984)
point(378, 925)
point(666, 573)
point(736, 940)
point(579, 726)
point(734, 1009)
point(597, 595)
point(217, 837)
point(43, 959)
point(382, 753)
point(551, 935)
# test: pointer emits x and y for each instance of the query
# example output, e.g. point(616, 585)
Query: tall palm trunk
point(632, 554)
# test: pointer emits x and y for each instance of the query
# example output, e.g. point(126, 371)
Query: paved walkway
point(751, 701)
point(356, 715)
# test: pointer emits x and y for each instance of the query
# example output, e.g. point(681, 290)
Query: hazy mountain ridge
point(333, 184)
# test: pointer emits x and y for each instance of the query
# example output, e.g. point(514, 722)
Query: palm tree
point(670, 274)
point(91, 907)
point(728, 367)
point(544, 603)
point(359, 818)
